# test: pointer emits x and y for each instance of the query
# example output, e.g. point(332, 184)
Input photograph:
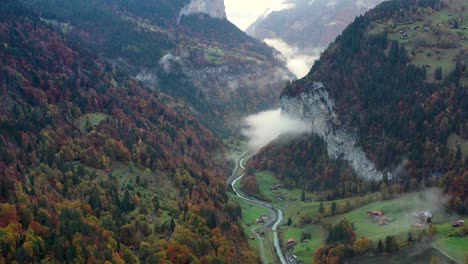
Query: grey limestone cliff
point(213, 8)
point(316, 106)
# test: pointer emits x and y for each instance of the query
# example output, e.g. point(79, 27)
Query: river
point(277, 213)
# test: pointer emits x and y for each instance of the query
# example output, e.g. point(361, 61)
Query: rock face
point(235, 86)
point(213, 8)
point(316, 107)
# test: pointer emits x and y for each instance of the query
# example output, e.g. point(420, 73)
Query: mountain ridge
point(126, 31)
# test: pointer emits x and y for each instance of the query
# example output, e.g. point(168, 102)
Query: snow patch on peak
point(213, 8)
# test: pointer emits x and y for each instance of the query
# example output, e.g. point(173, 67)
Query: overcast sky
point(244, 12)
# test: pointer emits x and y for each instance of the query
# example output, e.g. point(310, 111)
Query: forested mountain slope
point(396, 81)
point(206, 61)
point(96, 166)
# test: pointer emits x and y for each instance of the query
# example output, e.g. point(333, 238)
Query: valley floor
point(399, 210)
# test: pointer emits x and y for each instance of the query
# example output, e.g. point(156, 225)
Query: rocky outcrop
point(316, 106)
point(213, 8)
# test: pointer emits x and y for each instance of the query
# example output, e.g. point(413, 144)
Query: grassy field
point(249, 215)
point(305, 251)
point(432, 41)
point(249, 212)
point(293, 207)
point(215, 56)
point(93, 119)
point(418, 254)
point(395, 209)
point(452, 144)
point(399, 209)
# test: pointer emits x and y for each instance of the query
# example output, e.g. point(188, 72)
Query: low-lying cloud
point(264, 127)
point(168, 62)
point(147, 76)
point(298, 62)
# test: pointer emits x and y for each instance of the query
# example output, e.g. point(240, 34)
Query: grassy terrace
point(93, 119)
point(433, 41)
point(215, 56)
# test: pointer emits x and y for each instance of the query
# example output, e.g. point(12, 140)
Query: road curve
point(277, 213)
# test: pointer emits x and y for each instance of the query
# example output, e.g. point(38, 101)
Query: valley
point(128, 133)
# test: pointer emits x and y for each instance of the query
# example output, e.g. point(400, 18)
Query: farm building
point(377, 213)
point(458, 223)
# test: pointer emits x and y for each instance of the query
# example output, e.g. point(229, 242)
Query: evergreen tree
point(380, 248)
point(458, 154)
point(59, 251)
point(289, 221)
point(321, 209)
point(172, 225)
point(438, 73)
point(391, 244)
point(127, 204)
point(333, 208)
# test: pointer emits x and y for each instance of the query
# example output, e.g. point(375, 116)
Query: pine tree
point(438, 73)
point(380, 248)
point(458, 154)
point(321, 209)
point(410, 237)
point(172, 224)
point(289, 221)
point(333, 208)
point(127, 204)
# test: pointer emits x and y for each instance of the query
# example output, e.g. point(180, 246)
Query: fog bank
point(264, 127)
point(298, 62)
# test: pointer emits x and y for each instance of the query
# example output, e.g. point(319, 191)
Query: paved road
point(445, 254)
point(276, 215)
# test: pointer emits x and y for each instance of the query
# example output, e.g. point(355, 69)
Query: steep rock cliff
point(213, 8)
point(316, 106)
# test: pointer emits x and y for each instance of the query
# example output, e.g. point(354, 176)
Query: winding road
point(277, 214)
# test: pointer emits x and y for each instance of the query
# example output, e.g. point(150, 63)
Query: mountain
point(187, 49)
point(214, 8)
point(389, 97)
point(95, 165)
point(307, 24)
point(301, 29)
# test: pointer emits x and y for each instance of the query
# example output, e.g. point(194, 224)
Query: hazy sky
point(244, 12)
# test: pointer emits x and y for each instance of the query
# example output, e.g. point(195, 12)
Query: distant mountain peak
point(213, 8)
